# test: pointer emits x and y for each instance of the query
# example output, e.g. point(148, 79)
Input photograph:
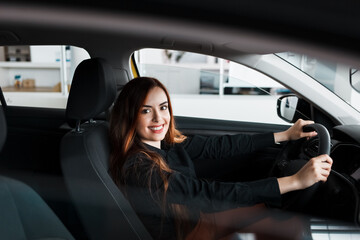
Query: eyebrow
point(159, 104)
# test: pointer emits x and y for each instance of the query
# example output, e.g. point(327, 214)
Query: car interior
point(54, 162)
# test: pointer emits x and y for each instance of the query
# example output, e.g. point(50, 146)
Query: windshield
point(332, 75)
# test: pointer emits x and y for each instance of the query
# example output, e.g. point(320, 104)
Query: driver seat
point(103, 209)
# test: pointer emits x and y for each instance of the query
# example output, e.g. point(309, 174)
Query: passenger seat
point(23, 213)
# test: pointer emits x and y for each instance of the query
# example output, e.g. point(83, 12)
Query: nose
point(156, 116)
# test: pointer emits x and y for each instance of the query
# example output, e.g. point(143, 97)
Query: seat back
point(103, 209)
point(24, 214)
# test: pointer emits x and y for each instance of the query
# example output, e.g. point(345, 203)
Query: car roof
point(228, 30)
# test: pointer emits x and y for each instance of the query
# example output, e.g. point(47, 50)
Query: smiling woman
point(152, 163)
point(154, 118)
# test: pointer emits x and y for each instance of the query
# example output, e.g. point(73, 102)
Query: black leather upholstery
point(104, 211)
point(23, 213)
point(92, 89)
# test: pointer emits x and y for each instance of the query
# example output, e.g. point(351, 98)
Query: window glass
point(209, 87)
point(334, 76)
point(38, 76)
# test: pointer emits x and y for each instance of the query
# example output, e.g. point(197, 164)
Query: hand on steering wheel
point(308, 173)
point(295, 132)
point(315, 170)
point(299, 130)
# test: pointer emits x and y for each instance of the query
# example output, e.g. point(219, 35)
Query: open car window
point(209, 87)
point(38, 76)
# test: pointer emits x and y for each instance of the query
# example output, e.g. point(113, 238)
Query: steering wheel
point(323, 136)
point(293, 157)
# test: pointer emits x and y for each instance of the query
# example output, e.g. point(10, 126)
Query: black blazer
point(185, 188)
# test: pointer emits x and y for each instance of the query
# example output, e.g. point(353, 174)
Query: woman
point(152, 163)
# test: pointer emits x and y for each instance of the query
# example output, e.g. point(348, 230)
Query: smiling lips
point(157, 129)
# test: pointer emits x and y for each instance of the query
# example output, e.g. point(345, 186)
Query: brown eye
point(144, 111)
point(164, 107)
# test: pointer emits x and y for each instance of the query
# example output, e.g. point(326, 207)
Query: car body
point(238, 34)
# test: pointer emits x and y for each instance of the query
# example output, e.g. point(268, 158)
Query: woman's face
point(154, 119)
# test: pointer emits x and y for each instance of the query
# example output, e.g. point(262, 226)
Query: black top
point(185, 188)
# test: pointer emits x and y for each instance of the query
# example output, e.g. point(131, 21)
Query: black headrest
point(93, 89)
point(3, 130)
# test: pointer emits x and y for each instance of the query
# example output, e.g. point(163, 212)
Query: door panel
point(205, 126)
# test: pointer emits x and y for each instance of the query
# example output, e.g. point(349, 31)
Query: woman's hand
point(315, 170)
point(295, 132)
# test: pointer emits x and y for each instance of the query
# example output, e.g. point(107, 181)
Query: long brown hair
point(124, 119)
point(126, 142)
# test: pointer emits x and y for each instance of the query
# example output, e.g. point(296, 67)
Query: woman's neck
point(156, 144)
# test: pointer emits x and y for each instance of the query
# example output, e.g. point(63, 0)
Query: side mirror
point(355, 79)
point(291, 108)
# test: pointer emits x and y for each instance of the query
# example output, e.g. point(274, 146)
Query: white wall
point(176, 79)
point(237, 108)
point(38, 99)
point(45, 54)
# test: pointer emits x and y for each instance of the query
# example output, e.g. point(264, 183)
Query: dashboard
point(346, 150)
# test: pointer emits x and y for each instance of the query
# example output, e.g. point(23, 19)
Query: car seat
point(24, 214)
point(103, 209)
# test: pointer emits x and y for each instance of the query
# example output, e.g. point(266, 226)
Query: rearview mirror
point(291, 108)
point(355, 79)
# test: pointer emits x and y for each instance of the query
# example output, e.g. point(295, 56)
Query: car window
point(38, 76)
point(209, 87)
point(332, 75)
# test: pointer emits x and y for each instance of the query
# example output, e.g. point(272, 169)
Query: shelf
point(29, 65)
point(34, 89)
